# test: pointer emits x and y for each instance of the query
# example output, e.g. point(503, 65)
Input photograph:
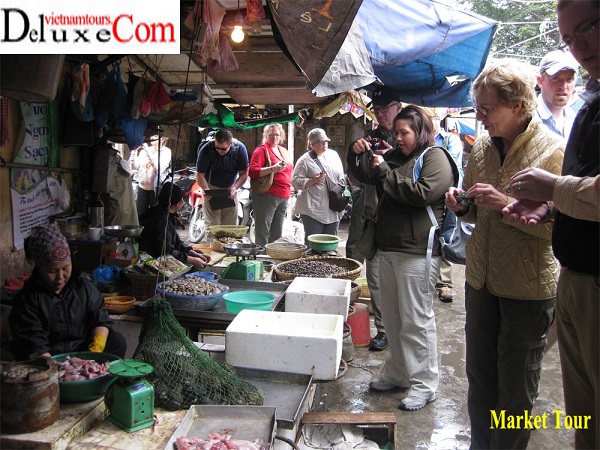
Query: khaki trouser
point(409, 322)
point(577, 315)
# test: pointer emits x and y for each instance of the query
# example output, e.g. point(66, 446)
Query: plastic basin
point(193, 302)
point(323, 242)
point(208, 276)
point(86, 390)
point(239, 300)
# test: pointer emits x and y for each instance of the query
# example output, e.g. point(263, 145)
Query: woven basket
point(119, 304)
point(285, 251)
point(143, 286)
point(353, 268)
point(364, 287)
point(234, 231)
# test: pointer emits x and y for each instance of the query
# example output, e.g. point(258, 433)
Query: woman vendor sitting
point(55, 314)
point(156, 240)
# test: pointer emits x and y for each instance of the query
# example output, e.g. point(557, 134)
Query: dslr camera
point(464, 200)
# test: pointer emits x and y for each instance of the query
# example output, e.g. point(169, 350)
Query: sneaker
point(412, 403)
point(382, 385)
point(379, 342)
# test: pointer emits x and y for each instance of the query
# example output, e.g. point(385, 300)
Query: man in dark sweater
point(573, 199)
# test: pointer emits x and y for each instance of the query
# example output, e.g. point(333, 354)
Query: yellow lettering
point(511, 423)
point(585, 425)
point(557, 413)
point(495, 420)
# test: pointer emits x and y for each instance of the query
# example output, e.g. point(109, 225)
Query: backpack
point(453, 234)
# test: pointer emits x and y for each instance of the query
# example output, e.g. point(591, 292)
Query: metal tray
point(241, 422)
point(286, 391)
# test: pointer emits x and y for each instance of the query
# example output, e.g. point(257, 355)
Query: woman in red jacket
point(270, 207)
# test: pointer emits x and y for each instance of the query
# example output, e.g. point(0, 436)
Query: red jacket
point(282, 181)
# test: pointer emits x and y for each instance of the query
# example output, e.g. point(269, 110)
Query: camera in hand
point(464, 200)
point(376, 143)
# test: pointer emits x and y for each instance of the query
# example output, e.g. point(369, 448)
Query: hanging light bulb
point(237, 35)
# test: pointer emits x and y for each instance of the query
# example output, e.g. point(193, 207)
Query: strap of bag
point(268, 155)
point(314, 156)
point(430, 238)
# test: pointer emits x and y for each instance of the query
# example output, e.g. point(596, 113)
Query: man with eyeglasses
point(386, 105)
point(573, 200)
point(222, 164)
point(557, 78)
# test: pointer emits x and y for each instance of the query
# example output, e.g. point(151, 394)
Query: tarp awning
point(426, 42)
point(414, 46)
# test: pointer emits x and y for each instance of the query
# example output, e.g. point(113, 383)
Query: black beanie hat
point(165, 191)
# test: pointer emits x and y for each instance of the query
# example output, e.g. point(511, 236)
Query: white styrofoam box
point(318, 295)
point(309, 344)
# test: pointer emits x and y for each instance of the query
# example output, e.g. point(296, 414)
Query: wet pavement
point(443, 424)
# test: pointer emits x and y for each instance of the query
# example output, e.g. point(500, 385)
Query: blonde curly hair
point(512, 81)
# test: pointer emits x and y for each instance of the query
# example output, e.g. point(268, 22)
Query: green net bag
point(183, 374)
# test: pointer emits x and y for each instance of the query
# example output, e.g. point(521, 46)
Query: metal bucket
point(29, 396)
point(347, 344)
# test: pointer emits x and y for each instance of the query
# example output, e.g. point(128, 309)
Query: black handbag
point(335, 191)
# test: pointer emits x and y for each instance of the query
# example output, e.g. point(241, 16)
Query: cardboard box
point(309, 344)
point(119, 262)
point(318, 296)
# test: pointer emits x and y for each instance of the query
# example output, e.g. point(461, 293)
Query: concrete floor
point(443, 424)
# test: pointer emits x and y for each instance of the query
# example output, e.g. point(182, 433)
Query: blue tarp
point(415, 45)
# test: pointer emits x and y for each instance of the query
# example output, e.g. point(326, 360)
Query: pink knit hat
point(47, 245)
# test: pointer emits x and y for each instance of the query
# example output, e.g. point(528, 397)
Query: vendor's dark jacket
point(154, 222)
point(403, 223)
point(42, 321)
point(576, 243)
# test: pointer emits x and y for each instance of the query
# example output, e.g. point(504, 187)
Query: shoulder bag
point(367, 244)
point(335, 191)
point(264, 183)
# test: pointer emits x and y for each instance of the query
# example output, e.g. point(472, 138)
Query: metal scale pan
point(129, 232)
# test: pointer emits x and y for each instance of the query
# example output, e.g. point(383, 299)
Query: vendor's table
point(219, 318)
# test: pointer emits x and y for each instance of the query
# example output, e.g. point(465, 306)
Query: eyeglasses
point(223, 149)
point(383, 109)
point(484, 110)
point(273, 135)
point(582, 31)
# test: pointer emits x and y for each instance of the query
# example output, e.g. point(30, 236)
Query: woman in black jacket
point(160, 236)
point(54, 313)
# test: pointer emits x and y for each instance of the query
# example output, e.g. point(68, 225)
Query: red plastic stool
point(358, 319)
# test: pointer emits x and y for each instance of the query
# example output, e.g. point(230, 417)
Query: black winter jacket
point(576, 242)
point(154, 221)
point(42, 321)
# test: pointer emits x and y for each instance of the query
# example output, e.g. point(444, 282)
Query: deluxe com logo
point(89, 26)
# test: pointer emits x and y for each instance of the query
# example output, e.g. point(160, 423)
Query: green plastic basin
point(323, 242)
point(86, 390)
point(236, 301)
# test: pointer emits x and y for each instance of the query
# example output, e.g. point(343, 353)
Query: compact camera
point(464, 200)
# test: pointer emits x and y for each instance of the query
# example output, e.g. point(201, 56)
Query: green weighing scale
point(246, 267)
point(131, 398)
